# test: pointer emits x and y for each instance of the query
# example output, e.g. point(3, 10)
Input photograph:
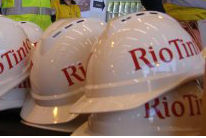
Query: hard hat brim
point(111, 104)
point(127, 101)
point(37, 114)
point(62, 127)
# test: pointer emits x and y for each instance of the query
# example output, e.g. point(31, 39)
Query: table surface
point(10, 126)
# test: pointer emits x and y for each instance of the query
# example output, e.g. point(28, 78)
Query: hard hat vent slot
point(139, 14)
point(153, 13)
point(128, 18)
point(57, 34)
point(80, 21)
point(23, 22)
point(68, 26)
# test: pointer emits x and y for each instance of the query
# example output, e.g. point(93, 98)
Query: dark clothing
point(53, 18)
point(153, 5)
point(63, 2)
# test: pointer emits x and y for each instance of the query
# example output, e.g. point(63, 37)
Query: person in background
point(153, 5)
point(182, 10)
point(186, 10)
point(188, 13)
point(65, 9)
point(37, 11)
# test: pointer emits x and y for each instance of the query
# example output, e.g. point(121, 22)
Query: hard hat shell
point(58, 72)
point(15, 97)
point(14, 58)
point(178, 112)
point(145, 57)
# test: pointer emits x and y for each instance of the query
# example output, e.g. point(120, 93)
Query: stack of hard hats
point(64, 48)
point(137, 77)
point(58, 74)
point(140, 79)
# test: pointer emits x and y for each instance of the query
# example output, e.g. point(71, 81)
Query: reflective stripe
point(26, 10)
point(18, 9)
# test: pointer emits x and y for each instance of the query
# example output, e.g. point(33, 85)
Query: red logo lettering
point(13, 58)
point(25, 84)
point(71, 73)
point(164, 109)
point(151, 58)
point(154, 107)
point(142, 56)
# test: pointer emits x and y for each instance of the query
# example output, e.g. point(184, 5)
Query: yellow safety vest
point(37, 11)
point(65, 11)
point(182, 13)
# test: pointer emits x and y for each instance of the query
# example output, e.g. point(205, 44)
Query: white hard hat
point(14, 58)
point(149, 55)
point(15, 97)
point(33, 31)
point(62, 127)
point(58, 74)
point(178, 112)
